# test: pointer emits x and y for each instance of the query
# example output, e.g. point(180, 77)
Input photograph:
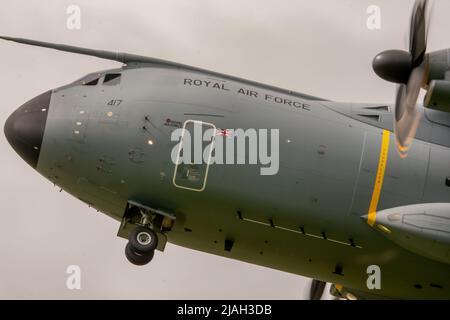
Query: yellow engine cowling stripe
point(382, 161)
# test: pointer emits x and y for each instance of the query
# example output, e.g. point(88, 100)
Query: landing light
point(384, 229)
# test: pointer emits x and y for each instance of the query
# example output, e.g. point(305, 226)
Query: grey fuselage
point(304, 220)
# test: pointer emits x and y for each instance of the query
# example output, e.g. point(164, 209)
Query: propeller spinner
point(409, 69)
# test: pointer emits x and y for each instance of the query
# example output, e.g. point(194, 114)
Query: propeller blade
point(317, 288)
point(418, 32)
point(407, 117)
point(411, 71)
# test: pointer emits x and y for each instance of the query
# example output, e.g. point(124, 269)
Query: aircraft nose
point(25, 127)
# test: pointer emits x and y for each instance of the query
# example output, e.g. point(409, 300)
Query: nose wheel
point(141, 246)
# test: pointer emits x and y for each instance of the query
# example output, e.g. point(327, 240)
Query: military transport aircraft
point(359, 186)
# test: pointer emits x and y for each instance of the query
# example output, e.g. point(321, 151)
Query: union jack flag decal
point(225, 132)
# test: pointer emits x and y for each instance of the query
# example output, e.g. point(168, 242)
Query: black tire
point(136, 258)
point(316, 290)
point(141, 246)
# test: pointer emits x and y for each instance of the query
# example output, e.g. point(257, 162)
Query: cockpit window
point(91, 83)
point(112, 79)
point(89, 80)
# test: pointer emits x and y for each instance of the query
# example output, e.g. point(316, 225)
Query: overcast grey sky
point(319, 47)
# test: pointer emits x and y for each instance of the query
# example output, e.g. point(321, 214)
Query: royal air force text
point(222, 86)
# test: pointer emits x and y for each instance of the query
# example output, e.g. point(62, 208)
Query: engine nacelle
point(438, 81)
point(423, 229)
point(439, 64)
point(438, 95)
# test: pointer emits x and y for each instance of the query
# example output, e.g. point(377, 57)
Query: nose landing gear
point(145, 228)
point(137, 258)
point(141, 246)
point(143, 240)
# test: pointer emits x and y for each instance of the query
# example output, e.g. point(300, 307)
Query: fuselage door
point(193, 155)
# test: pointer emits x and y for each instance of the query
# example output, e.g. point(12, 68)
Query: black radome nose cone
point(25, 127)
